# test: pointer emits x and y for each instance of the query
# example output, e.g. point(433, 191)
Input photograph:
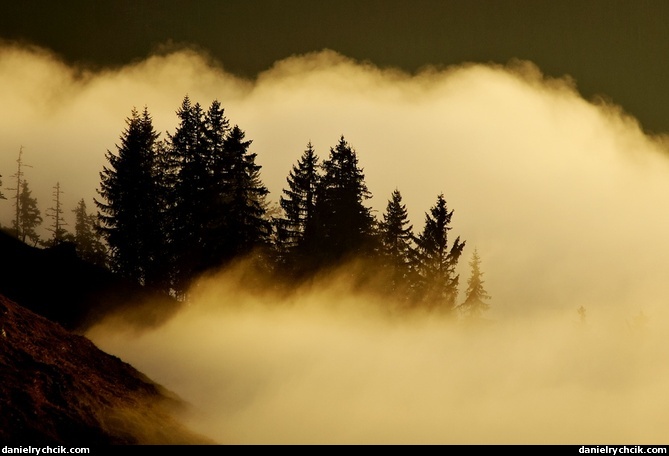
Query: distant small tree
point(88, 242)
point(56, 213)
point(29, 216)
point(2, 196)
point(18, 175)
point(476, 296)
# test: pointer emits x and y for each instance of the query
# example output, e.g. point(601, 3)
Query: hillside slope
point(59, 388)
point(58, 285)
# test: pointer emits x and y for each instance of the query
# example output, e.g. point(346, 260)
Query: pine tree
point(29, 216)
point(344, 225)
point(128, 212)
point(397, 242)
point(476, 296)
point(438, 285)
point(296, 229)
point(89, 246)
point(56, 212)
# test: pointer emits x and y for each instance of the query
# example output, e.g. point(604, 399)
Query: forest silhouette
point(171, 209)
point(283, 340)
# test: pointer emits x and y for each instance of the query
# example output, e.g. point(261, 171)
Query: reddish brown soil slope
point(57, 387)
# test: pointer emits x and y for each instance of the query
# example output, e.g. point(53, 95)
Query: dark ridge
point(59, 388)
point(58, 285)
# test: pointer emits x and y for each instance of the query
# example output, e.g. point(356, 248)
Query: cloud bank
point(562, 196)
point(329, 366)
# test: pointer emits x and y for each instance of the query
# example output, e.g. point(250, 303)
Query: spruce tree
point(130, 199)
point(187, 164)
point(296, 229)
point(215, 198)
point(397, 242)
point(89, 246)
point(28, 215)
point(438, 286)
point(344, 225)
point(476, 296)
point(246, 226)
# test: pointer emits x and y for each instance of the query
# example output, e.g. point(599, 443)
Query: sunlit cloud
point(561, 195)
point(325, 365)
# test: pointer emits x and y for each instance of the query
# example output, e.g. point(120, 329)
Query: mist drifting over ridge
point(562, 197)
point(327, 364)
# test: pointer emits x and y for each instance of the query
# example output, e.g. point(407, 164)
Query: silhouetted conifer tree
point(128, 211)
point(89, 246)
point(438, 286)
point(476, 296)
point(188, 212)
point(56, 213)
point(2, 196)
point(218, 202)
point(215, 199)
point(296, 229)
point(345, 226)
point(397, 243)
point(28, 215)
point(244, 206)
point(173, 209)
point(19, 186)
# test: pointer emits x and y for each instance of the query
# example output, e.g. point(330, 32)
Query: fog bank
point(326, 365)
point(562, 197)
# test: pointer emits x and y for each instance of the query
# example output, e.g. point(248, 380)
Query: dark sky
point(618, 49)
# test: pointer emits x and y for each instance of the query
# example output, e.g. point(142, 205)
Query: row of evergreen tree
point(28, 218)
point(171, 209)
